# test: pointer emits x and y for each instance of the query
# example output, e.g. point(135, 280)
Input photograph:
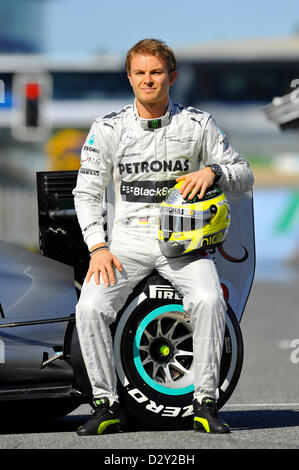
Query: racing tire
point(154, 358)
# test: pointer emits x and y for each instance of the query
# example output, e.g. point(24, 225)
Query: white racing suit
point(144, 158)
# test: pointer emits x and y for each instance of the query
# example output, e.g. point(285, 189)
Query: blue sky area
point(76, 27)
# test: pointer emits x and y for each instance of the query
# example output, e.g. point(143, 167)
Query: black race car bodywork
point(40, 358)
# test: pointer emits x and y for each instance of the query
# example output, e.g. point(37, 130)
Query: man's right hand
point(102, 262)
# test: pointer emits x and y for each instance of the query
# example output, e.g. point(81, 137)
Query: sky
point(84, 27)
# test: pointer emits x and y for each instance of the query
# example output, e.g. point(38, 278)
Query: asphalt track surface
point(263, 412)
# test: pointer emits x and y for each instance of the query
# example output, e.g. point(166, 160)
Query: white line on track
point(258, 405)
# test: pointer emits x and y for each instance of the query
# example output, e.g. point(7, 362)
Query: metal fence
point(18, 216)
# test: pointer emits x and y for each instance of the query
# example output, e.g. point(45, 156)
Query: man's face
point(150, 79)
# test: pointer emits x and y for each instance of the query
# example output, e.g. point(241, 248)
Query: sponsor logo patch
point(145, 191)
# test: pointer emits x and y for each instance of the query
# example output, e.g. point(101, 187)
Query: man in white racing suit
point(146, 148)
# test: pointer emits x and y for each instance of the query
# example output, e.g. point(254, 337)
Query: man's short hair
point(152, 47)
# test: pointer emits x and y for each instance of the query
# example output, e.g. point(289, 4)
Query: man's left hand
point(197, 181)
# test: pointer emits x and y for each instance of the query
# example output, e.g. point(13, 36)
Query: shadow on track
point(238, 420)
point(261, 419)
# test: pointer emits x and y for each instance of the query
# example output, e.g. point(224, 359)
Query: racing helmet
point(188, 225)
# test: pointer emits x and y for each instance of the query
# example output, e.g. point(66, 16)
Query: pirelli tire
point(154, 358)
